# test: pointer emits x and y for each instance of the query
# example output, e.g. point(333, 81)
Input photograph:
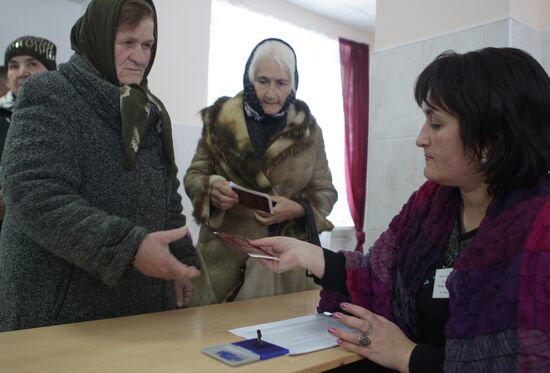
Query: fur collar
point(228, 140)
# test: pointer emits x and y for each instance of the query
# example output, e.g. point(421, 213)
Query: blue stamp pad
point(231, 354)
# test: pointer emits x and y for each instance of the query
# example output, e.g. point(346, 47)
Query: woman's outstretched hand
point(292, 253)
point(153, 257)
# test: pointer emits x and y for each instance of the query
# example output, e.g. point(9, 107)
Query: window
point(235, 30)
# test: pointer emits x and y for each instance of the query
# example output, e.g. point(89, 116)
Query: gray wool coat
point(75, 216)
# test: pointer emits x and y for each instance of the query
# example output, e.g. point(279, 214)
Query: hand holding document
point(253, 199)
point(244, 244)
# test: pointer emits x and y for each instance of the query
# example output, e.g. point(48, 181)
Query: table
point(163, 341)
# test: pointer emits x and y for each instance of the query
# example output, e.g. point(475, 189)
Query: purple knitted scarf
point(499, 288)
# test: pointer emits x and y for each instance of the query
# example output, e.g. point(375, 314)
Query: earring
point(483, 159)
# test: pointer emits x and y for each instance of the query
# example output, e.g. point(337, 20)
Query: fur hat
point(41, 49)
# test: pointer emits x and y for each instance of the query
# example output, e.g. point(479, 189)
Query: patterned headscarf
point(93, 36)
point(252, 107)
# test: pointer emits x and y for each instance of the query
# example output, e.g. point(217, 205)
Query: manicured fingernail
point(331, 330)
point(337, 315)
point(343, 306)
point(339, 341)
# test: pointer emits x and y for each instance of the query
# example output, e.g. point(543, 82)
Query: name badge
point(440, 290)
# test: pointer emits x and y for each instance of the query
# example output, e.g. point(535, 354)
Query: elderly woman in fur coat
point(263, 139)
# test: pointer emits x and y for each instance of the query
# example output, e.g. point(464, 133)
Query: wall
point(545, 37)
point(396, 23)
point(51, 19)
point(400, 22)
point(525, 37)
point(528, 12)
point(544, 15)
point(180, 73)
point(545, 50)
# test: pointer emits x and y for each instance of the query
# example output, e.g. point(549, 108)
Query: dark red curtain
point(354, 60)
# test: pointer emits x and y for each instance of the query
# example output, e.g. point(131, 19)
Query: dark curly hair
point(501, 98)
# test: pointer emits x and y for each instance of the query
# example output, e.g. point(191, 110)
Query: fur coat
point(294, 166)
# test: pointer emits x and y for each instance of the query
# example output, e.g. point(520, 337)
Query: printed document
point(299, 335)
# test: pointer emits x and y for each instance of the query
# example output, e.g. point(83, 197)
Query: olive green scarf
point(93, 36)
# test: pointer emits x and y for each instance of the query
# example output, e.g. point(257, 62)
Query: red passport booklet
point(244, 244)
point(253, 199)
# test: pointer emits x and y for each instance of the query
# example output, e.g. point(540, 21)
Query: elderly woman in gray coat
point(94, 225)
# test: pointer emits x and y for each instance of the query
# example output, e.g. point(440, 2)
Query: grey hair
point(278, 52)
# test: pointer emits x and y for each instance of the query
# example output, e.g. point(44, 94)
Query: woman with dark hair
point(266, 140)
point(94, 223)
point(459, 282)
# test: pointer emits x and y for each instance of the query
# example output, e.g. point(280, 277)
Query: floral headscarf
point(93, 36)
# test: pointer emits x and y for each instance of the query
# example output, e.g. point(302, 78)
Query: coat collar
point(7, 101)
point(230, 143)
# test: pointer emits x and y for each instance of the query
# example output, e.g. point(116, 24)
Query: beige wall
point(180, 74)
point(52, 19)
point(544, 15)
point(533, 13)
point(421, 19)
point(527, 12)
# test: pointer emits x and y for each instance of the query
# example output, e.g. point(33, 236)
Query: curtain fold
point(354, 60)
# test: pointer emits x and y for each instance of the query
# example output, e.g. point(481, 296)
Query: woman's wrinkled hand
point(222, 196)
point(378, 339)
point(285, 209)
point(154, 259)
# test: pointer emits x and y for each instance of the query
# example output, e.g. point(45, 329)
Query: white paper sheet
point(299, 335)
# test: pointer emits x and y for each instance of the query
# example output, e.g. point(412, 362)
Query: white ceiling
point(356, 13)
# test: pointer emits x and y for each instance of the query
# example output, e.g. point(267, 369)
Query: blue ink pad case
point(244, 352)
point(266, 351)
point(231, 354)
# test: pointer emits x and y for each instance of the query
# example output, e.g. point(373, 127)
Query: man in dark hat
point(25, 56)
